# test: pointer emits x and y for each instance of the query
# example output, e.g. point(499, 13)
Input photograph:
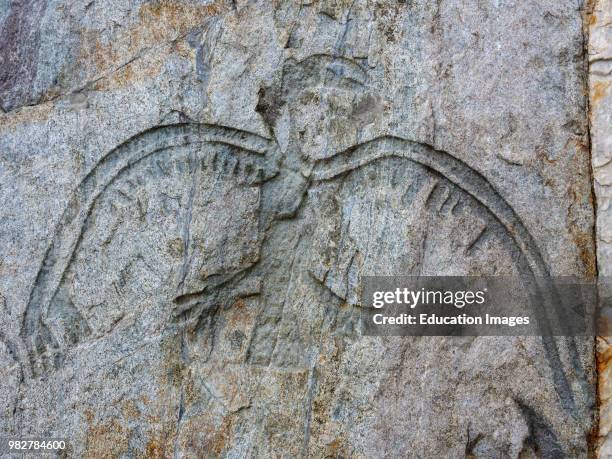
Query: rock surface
point(194, 190)
point(600, 96)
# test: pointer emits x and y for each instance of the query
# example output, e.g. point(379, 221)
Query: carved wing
point(158, 188)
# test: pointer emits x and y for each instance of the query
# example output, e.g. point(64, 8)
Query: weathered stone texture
point(600, 81)
point(195, 190)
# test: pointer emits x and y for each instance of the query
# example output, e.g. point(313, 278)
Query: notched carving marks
point(251, 160)
point(51, 323)
point(457, 172)
point(479, 188)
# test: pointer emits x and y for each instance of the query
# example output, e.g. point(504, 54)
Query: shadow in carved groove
point(478, 187)
point(46, 349)
point(257, 155)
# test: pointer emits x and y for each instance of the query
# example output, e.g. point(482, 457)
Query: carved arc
point(477, 186)
point(74, 219)
point(456, 171)
point(73, 222)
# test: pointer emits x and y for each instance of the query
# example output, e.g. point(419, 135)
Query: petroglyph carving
point(133, 214)
point(192, 217)
point(196, 289)
point(168, 190)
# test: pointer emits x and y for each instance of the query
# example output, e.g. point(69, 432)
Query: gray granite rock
point(193, 191)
